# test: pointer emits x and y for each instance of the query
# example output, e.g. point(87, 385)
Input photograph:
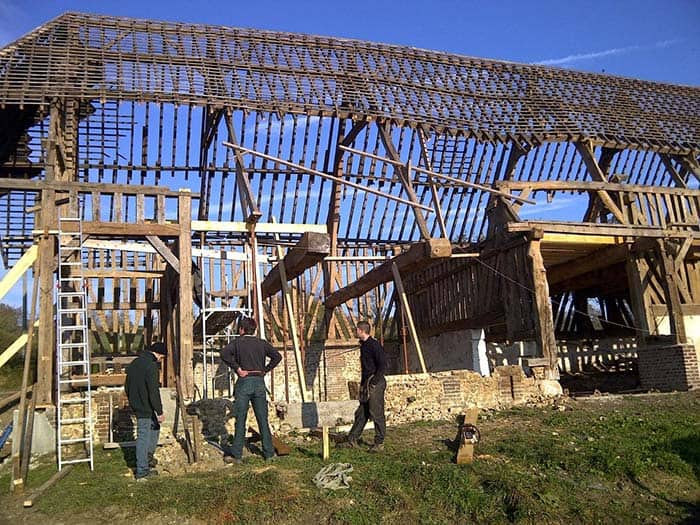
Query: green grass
point(627, 460)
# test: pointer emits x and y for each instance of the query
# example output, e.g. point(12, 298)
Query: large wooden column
point(185, 317)
point(544, 320)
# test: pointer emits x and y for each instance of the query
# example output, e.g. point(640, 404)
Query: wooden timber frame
point(318, 173)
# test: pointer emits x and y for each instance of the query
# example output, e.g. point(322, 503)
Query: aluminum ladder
point(74, 414)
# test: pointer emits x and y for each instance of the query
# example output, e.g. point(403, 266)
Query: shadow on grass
point(688, 448)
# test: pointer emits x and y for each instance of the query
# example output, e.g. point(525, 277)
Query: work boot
point(230, 460)
point(350, 444)
point(151, 474)
point(271, 459)
point(376, 448)
point(152, 461)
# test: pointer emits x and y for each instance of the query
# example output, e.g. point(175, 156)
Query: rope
point(552, 301)
point(334, 476)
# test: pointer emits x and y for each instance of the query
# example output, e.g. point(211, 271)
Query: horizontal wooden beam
point(260, 227)
point(590, 262)
point(118, 229)
point(104, 189)
point(310, 249)
point(418, 256)
point(595, 228)
point(121, 274)
point(562, 185)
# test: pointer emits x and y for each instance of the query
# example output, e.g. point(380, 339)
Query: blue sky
point(652, 40)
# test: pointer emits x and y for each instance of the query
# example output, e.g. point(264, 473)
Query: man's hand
point(241, 372)
point(160, 418)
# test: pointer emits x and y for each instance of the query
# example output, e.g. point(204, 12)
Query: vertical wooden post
point(288, 306)
point(401, 293)
point(667, 269)
point(544, 322)
point(326, 444)
point(185, 368)
point(639, 298)
point(46, 340)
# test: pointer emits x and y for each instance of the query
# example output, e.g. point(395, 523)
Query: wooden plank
point(85, 187)
point(121, 229)
point(671, 293)
point(310, 171)
point(588, 186)
point(590, 262)
point(245, 193)
point(31, 500)
point(260, 227)
point(164, 251)
point(326, 453)
point(406, 308)
point(418, 256)
point(185, 295)
point(288, 306)
point(16, 345)
point(308, 251)
point(596, 229)
point(19, 268)
point(121, 274)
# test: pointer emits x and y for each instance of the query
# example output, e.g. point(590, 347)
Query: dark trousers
point(147, 432)
point(372, 409)
point(251, 391)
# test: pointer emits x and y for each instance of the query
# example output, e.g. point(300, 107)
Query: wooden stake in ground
point(326, 444)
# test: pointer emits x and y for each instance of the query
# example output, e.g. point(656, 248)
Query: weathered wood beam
point(164, 251)
point(544, 322)
point(245, 193)
point(19, 268)
point(120, 229)
point(186, 321)
point(260, 227)
point(406, 308)
point(588, 263)
point(15, 347)
point(310, 249)
point(304, 169)
point(418, 256)
point(671, 169)
point(668, 270)
point(575, 185)
point(384, 129)
point(104, 189)
point(431, 182)
point(594, 228)
point(586, 151)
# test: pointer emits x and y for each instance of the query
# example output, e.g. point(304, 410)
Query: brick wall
point(668, 368)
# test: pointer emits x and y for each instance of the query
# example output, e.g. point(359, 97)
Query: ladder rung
point(68, 219)
point(70, 294)
point(71, 310)
point(73, 440)
point(69, 461)
point(74, 420)
point(67, 346)
point(72, 381)
point(71, 263)
point(75, 363)
point(73, 401)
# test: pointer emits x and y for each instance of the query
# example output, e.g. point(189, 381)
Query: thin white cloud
point(606, 52)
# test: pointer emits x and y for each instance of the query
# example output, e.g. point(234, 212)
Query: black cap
point(159, 348)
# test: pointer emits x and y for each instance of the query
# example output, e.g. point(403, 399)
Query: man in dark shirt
point(144, 398)
point(372, 387)
point(246, 356)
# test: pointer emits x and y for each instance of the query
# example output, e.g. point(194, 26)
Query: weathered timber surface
point(311, 248)
point(417, 257)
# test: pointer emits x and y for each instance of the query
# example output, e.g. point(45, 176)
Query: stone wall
point(443, 395)
point(669, 368)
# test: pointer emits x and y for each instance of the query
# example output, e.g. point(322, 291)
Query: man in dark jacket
point(142, 389)
point(372, 387)
point(246, 356)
